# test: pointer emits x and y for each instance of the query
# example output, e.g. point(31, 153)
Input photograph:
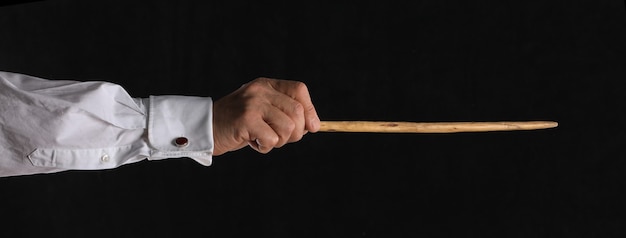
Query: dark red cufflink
point(181, 142)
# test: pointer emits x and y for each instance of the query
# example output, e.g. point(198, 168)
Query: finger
point(262, 137)
point(294, 110)
point(282, 124)
point(300, 92)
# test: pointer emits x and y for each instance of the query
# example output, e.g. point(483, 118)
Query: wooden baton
point(432, 127)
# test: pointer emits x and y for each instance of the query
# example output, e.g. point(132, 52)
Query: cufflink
point(181, 142)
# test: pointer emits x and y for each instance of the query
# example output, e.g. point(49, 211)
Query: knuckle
point(262, 81)
point(300, 86)
point(254, 86)
point(258, 84)
point(297, 108)
point(296, 136)
point(284, 134)
point(273, 140)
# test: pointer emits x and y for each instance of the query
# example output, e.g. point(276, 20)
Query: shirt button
point(104, 158)
point(181, 142)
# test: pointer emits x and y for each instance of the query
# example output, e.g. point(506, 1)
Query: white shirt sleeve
point(49, 126)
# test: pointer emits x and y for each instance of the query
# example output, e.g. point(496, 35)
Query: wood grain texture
point(432, 127)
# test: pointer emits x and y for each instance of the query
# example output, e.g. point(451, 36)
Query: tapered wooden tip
point(432, 127)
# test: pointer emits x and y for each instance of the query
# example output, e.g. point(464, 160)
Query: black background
point(430, 60)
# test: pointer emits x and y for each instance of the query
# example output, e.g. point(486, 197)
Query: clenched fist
point(265, 114)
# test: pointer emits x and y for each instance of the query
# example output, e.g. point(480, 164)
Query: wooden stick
point(432, 127)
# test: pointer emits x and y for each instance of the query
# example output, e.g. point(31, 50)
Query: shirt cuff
point(173, 120)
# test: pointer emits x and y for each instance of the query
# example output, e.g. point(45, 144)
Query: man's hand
point(265, 114)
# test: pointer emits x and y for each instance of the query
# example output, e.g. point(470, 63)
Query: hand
point(265, 114)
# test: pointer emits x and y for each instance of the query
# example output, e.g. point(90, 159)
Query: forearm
point(52, 125)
